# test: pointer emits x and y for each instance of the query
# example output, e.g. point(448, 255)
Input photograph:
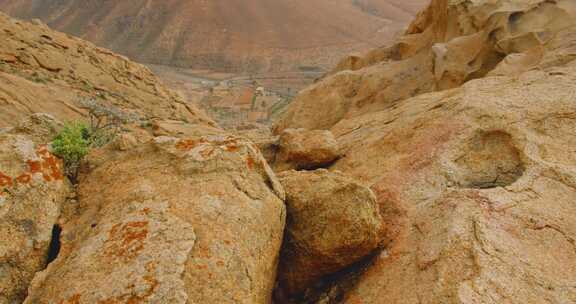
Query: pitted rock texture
point(44, 71)
point(196, 220)
point(333, 222)
point(32, 192)
point(485, 177)
point(449, 43)
point(302, 149)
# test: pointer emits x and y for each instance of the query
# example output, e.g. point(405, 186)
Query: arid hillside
point(231, 35)
point(44, 71)
point(438, 169)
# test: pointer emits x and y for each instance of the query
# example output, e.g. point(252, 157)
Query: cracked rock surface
point(467, 126)
point(197, 220)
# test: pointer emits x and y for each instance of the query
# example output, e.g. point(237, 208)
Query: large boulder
point(485, 175)
point(32, 193)
point(197, 220)
point(333, 222)
point(450, 43)
point(305, 149)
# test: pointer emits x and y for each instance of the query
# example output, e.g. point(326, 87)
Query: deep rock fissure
point(333, 288)
point(54, 248)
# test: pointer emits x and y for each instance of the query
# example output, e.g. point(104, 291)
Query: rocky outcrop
point(480, 174)
point(448, 44)
point(303, 149)
point(32, 193)
point(485, 176)
point(263, 138)
point(43, 71)
point(333, 222)
point(197, 220)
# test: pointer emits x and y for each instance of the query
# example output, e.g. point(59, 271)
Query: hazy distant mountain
point(229, 35)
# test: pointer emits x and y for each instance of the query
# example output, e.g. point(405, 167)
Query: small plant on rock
point(72, 144)
point(105, 121)
point(76, 139)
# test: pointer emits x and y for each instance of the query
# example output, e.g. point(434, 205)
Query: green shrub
point(72, 144)
point(76, 139)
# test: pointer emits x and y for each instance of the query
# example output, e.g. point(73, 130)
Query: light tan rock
point(177, 128)
point(485, 177)
point(480, 174)
point(125, 141)
point(263, 138)
point(333, 222)
point(32, 192)
point(197, 220)
point(304, 149)
point(44, 71)
point(449, 43)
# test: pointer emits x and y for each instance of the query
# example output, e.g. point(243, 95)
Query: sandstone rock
point(448, 44)
point(177, 128)
point(480, 175)
point(125, 141)
point(197, 220)
point(333, 222)
point(263, 138)
point(39, 127)
point(303, 149)
point(485, 176)
point(32, 191)
point(43, 71)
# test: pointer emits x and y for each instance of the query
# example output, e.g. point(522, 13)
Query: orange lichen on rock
point(186, 144)
point(141, 295)
point(127, 240)
point(24, 178)
point(5, 180)
point(50, 165)
point(75, 299)
point(250, 162)
point(34, 166)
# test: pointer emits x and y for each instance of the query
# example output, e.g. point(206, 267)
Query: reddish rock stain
point(250, 162)
point(186, 144)
point(127, 240)
point(5, 180)
point(34, 166)
point(24, 178)
point(75, 299)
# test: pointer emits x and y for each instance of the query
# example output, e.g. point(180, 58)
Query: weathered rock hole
point(491, 160)
point(54, 248)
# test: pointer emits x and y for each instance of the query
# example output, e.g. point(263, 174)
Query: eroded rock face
point(303, 149)
point(197, 220)
point(333, 222)
point(32, 192)
point(447, 45)
point(263, 138)
point(481, 172)
point(486, 184)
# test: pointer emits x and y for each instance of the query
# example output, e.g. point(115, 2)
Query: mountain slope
point(42, 70)
point(230, 35)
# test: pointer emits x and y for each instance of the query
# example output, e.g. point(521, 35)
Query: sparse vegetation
point(105, 121)
point(76, 139)
point(72, 144)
